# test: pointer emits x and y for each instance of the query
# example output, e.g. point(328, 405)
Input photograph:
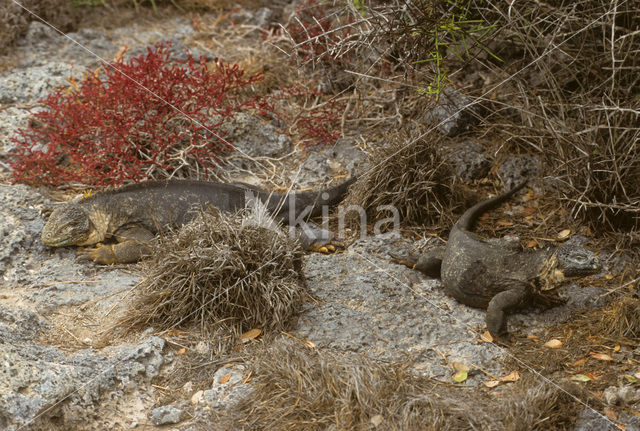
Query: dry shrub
point(414, 178)
point(298, 388)
point(621, 318)
point(220, 269)
point(574, 101)
point(533, 404)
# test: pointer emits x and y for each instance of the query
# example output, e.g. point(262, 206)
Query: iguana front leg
point(503, 302)
point(429, 263)
point(132, 246)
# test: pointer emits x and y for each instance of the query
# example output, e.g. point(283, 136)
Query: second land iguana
point(134, 214)
point(501, 278)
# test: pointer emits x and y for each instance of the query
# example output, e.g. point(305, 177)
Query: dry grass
point(621, 318)
point(298, 388)
point(415, 179)
point(217, 270)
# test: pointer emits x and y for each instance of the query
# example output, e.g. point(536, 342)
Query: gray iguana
point(134, 214)
point(485, 274)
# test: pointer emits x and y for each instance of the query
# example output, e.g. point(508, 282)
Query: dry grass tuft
point(621, 318)
point(532, 404)
point(415, 179)
point(298, 388)
point(220, 269)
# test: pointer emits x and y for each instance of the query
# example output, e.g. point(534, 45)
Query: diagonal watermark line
point(493, 345)
point(413, 141)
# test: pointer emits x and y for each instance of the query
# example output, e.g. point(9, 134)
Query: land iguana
point(134, 214)
point(485, 274)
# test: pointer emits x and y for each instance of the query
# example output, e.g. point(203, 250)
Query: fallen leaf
point(376, 420)
point(591, 376)
point(182, 350)
point(580, 362)
point(225, 379)
point(492, 383)
point(528, 211)
point(459, 377)
point(504, 223)
point(616, 348)
point(611, 414)
point(554, 343)
point(511, 377)
point(608, 276)
point(459, 366)
point(533, 338)
point(601, 356)
point(630, 378)
point(580, 378)
point(486, 337)
point(564, 234)
point(251, 334)
point(531, 244)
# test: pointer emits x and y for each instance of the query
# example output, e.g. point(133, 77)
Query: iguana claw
point(101, 254)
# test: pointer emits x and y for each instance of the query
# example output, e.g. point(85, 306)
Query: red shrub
point(121, 123)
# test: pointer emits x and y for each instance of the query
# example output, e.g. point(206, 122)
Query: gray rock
point(254, 137)
point(226, 395)
point(453, 113)
point(469, 160)
point(166, 415)
point(36, 82)
point(625, 395)
point(516, 169)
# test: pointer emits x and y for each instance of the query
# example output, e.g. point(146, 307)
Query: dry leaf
point(553, 343)
point(513, 376)
point(611, 414)
point(459, 377)
point(608, 276)
point(376, 420)
point(504, 223)
point(580, 378)
point(580, 362)
point(564, 234)
point(459, 366)
point(630, 378)
point(182, 350)
point(251, 334)
point(531, 244)
point(486, 337)
point(533, 338)
point(616, 348)
point(492, 383)
point(601, 356)
point(225, 379)
point(528, 211)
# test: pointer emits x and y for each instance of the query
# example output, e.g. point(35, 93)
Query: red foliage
point(319, 25)
point(134, 120)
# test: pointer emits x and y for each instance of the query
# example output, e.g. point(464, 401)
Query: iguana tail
point(328, 197)
point(470, 216)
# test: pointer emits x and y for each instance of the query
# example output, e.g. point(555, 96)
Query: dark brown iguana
point(500, 277)
point(134, 214)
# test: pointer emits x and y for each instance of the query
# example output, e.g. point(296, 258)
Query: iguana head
point(67, 225)
point(575, 261)
point(565, 262)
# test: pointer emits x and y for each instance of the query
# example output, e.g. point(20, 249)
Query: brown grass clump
point(298, 388)
point(414, 178)
point(574, 101)
point(532, 404)
point(220, 269)
point(621, 318)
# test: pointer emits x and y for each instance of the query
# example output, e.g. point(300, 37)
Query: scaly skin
point(501, 278)
point(133, 215)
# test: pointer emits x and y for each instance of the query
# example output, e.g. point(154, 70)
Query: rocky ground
point(56, 375)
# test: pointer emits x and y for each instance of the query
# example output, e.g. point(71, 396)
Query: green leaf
point(580, 378)
point(459, 376)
